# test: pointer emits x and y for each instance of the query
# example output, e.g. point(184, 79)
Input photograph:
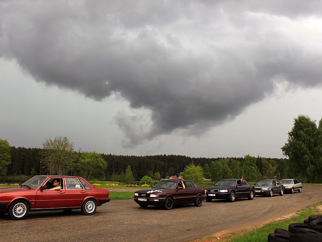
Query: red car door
point(47, 198)
point(75, 192)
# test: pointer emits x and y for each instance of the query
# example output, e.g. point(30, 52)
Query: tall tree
point(5, 157)
point(216, 172)
point(206, 171)
point(304, 149)
point(194, 173)
point(92, 163)
point(250, 169)
point(235, 168)
point(128, 177)
point(58, 155)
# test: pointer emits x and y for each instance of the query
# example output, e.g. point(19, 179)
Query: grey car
point(292, 185)
point(269, 187)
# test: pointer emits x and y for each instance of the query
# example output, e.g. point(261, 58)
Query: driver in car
point(56, 185)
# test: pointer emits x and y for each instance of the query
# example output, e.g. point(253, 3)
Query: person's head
point(56, 183)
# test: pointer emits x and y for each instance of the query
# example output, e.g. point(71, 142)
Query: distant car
point(230, 189)
point(291, 185)
point(170, 192)
point(39, 193)
point(268, 188)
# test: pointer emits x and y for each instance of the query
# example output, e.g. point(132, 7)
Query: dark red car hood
point(152, 190)
point(14, 189)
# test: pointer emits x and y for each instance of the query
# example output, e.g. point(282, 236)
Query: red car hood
point(14, 189)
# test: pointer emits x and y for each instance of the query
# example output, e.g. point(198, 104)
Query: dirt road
point(124, 220)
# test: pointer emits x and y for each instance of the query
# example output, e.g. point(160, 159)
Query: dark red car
point(169, 192)
point(52, 192)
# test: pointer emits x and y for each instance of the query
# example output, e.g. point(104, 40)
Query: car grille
point(216, 190)
point(144, 195)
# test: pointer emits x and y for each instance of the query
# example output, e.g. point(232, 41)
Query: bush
point(146, 180)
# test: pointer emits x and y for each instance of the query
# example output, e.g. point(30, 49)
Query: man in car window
point(56, 185)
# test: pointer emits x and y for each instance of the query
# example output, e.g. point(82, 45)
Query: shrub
point(146, 180)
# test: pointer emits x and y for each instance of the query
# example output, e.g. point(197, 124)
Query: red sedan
point(52, 192)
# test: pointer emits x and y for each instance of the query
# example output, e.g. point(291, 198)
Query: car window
point(190, 184)
point(85, 184)
point(73, 184)
point(181, 184)
point(244, 183)
point(165, 185)
point(50, 184)
point(231, 183)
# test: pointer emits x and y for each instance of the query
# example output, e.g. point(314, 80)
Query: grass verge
point(121, 195)
point(261, 233)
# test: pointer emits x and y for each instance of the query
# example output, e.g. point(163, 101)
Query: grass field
point(121, 195)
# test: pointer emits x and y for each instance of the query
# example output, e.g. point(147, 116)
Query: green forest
point(28, 161)
point(303, 149)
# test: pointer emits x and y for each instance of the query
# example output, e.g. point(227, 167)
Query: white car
point(291, 185)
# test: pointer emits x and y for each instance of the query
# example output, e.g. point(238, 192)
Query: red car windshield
point(35, 181)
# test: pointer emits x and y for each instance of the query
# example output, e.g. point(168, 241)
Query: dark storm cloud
point(192, 64)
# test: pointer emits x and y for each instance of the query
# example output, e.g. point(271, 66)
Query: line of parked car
point(44, 192)
point(168, 193)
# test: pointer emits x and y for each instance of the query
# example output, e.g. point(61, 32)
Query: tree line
point(304, 151)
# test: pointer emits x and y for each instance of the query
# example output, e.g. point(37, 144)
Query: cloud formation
point(182, 65)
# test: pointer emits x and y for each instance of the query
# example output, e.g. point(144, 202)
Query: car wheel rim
point(169, 203)
point(90, 207)
point(19, 210)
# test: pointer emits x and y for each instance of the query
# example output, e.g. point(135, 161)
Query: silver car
point(291, 185)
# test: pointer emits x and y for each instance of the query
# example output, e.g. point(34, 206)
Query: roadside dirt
point(250, 226)
point(124, 220)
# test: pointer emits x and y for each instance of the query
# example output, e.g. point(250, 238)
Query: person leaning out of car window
point(181, 184)
point(56, 185)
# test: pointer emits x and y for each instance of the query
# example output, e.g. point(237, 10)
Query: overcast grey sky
point(196, 78)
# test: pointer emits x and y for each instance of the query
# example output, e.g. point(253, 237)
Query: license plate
point(142, 199)
point(211, 195)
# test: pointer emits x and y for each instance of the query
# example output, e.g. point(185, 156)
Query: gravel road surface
point(124, 220)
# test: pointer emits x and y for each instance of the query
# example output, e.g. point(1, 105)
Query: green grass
point(261, 233)
point(121, 195)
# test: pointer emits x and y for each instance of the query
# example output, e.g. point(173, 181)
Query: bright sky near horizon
point(195, 78)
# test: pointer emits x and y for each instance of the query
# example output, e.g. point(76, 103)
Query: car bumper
point(102, 201)
point(3, 206)
point(157, 201)
point(218, 195)
point(262, 193)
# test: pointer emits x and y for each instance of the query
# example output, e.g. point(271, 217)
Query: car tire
point(270, 193)
point(278, 237)
point(168, 204)
point(18, 209)
point(281, 192)
point(198, 201)
point(300, 190)
point(306, 237)
point(251, 195)
point(89, 207)
point(232, 196)
point(313, 217)
point(208, 199)
point(282, 231)
point(317, 224)
point(143, 205)
point(299, 228)
point(292, 191)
